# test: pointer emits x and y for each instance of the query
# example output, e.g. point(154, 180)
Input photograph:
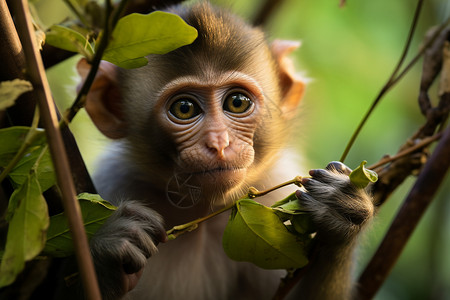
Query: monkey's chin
point(218, 182)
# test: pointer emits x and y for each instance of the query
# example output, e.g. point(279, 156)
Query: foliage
point(257, 234)
point(95, 212)
point(24, 157)
point(11, 90)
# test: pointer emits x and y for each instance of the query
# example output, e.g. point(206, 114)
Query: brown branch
point(13, 63)
point(420, 145)
point(394, 174)
point(406, 220)
point(38, 78)
point(267, 10)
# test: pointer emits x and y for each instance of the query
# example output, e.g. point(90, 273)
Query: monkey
point(190, 132)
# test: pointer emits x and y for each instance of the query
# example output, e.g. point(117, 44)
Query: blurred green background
point(347, 54)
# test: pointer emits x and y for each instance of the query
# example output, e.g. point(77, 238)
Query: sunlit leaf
point(68, 39)
point(361, 176)
point(11, 90)
point(26, 231)
point(291, 206)
point(136, 36)
point(95, 211)
point(290, 197)
point(256, 234)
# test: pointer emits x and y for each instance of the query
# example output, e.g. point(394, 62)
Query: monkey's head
point(215, 110)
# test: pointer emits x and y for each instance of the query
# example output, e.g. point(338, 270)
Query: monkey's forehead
point(225, 42)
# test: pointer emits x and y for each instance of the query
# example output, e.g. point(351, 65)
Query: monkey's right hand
point(121, 247)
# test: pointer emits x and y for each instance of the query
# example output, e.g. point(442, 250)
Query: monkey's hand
point(338, 208)
point(120, 248)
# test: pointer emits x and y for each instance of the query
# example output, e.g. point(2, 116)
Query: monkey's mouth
point(220, 177)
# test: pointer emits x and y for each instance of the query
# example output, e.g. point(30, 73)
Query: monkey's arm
point(340, 211)
point(122, 245)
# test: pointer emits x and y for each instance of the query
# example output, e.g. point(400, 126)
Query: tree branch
point(38, 78)
point(406, 220)
point(266, 11)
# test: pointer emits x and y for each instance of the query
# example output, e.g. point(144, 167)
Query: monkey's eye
point(184, 109)
point(237, 103)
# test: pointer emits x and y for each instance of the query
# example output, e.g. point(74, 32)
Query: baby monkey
point(191, 131)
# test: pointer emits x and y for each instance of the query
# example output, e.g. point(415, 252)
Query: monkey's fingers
point(339, 167)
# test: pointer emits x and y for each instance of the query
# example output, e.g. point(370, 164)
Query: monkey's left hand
point(338, 208)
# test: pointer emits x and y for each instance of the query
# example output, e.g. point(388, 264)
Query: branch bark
point(38, 78)
point(266, 11)
point(406, 220)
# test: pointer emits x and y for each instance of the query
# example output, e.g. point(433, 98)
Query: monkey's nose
point(218, 142)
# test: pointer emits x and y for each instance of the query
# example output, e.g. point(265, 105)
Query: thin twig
point(266, 11)
point(37, 76)
point(388, 84)
point(32, 135)
point(110, 23)
point(391, 83)
point(423, 143)
point(251, 194)
point(77, 12)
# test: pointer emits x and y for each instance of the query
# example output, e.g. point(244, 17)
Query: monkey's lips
point(220, 178)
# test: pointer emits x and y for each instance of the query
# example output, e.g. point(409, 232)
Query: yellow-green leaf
point(136, 36)
point(256, 234)
point(68, 39)
point(11, 90)
point(361, 176)
point(27, 230)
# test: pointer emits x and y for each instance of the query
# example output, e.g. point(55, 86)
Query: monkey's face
point(212, 124)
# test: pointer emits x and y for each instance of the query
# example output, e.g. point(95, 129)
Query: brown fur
point(224, 154)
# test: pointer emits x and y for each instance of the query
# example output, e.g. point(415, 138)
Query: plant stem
point(75, 10)
point(425, 142)
point(37, 76)
point(406, 220)
point(187, 227)
point(178, 230)
point(32, 135)
point(391, 81)
point(110, 23)
point(253, 193)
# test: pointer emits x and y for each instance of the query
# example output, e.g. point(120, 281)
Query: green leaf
point(12, 139)
point(361, 176)
point(256, 234)
point(26, 232)
point(68, 39)
point(289, 198)
point(303, 223)
point(136, 36)
point(133, 63)
point(292, 207)
point(11, 90)
point(44, 170)
point(95, 211)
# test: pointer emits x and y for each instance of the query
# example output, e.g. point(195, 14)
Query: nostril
point(217, 143)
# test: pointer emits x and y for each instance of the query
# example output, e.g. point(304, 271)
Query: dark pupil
point(185, 107)
point(237, 101)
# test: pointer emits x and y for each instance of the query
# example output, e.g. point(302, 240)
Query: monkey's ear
point(103, 102)
point(292, 85)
